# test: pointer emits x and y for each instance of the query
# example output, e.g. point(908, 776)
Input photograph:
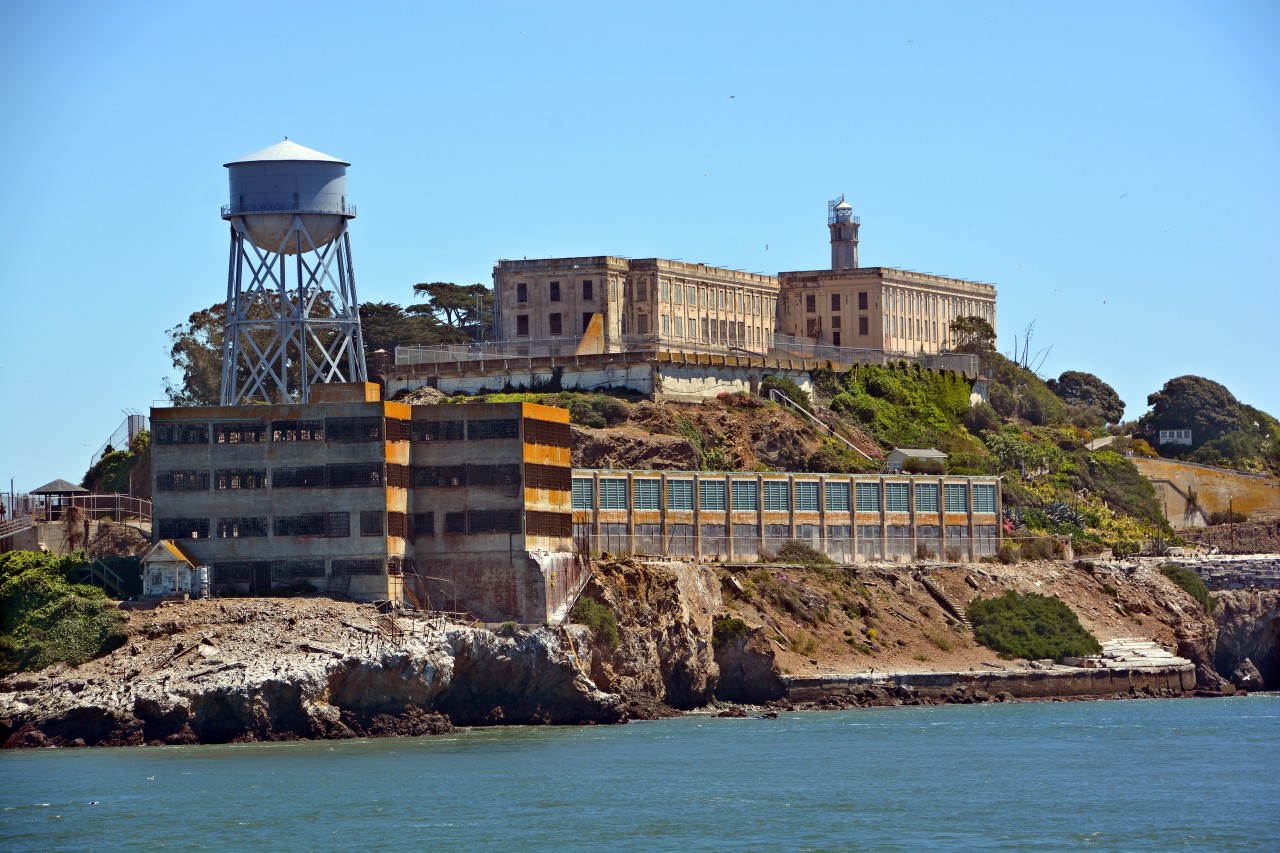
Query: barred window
point(583, 493)
point(309, 477)
point(337, 525)
point(837, 497)
point(180, 433)
point(353, 429)
point(297, 430)
point(355, 475)
point(398, 429)
point(437, 430)
point(504, 428)
point(371, 522)
point(430, 476)
point(455, 522)
point(182, 481)
point(867, 497)
point(242, 432)
point(897, 497)
point(240, 528)
point(358, 566)
point(647, 494)
point(547, 433)
point(493, 475)
point(984, 498)
point(252, 478)
point(806, 495)
point(711, 495)
point(310, 524)
point(746, 497)
point(493, 521)
point(292, 570)
point(777, 496)
point(184, 528)
point(680, 495)
point(236, 571)
point(398, 476)
point(548, 523)
point(555, 477)
point(926, 497)
point(955, 497)
point(613, 493)
point(424, 524)
point(398, 524)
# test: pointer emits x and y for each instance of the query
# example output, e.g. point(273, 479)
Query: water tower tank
point(272, 186)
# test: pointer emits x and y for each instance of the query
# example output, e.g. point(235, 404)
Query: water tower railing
point(288, 207)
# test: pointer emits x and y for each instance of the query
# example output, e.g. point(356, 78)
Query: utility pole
point(1231, 519)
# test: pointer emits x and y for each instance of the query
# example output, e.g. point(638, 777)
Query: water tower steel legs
point(282, 337)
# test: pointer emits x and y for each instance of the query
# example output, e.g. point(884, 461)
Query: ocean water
point(1155, 775)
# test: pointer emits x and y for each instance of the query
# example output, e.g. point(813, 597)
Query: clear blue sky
point(1114, 168)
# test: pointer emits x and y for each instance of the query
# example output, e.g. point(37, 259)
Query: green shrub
point(600, 619)
point(793, 551)
point(1190, 583)
point(788, 388)
point(1227, 517)
point(727, 631)
point(1030, 626)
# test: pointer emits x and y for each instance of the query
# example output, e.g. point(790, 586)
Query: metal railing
point(765, 549)
point(44, 509)
point(778, 397)
point(339, 208)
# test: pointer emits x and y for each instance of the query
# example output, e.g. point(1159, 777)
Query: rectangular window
point(642, 290)
point(813, 327)
point(353, 429)
point(371, 522)
point(310, 524)
point(183, 528)
point(587, 292)
point(705, 335)
point(522, 292)
point(984, 498)
point(647, 494)
point(679, 327)
point(522, 325)
point(455, 522)
point(867, 497)
point(309, 477)
point(438, 430)
point(711, 496)
point(586, 320)
point(180, 433)
point(248, 479)
point(955, 497)
point(642, 324)
point(554, 291)
point(239, 433)
point(397, 524)
point(398, 429)
point(863, 326)
point(337, 525)
point(862, 300)
point(241, 528)
point(665, 325)
point(835, 302)
point(613, 493)
point(810, 303)
point(835, 337)
point(424, 524)
point(553, 325)
point(558, 524)
point(480, 521)
point(493, 429)
point(777, 496)
point(835, 322)
point(926, 497)
point(182, 481)
point(837, 497)
point(664, 290)
point(357, 475)
point(720, 298)
point(806, 496)
point(613, 290)
point(297, 430)
point(439, 476)
point(746, 497)
point(680, 495)
point(897, 497)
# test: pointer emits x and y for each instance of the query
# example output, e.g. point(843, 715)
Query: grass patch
point(600, 619)
point(1030, 626)
point(799, 553)
point(938, 641)
point(725, 632)
point(1189, 582)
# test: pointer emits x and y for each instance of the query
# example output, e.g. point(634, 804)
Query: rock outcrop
point(1249, 630)
point(749, 670)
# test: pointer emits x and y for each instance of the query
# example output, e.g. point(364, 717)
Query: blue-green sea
point(1137, 775)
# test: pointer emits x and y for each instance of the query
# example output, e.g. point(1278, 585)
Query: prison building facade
point(453, 507)
point(745, 516)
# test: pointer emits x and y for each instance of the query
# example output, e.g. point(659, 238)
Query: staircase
point(778, 397)
point(100, 574)
point(16, 525)
point(940, 595)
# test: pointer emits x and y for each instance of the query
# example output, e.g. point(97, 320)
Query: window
point(777, 496)
point(182, 481)
point(642, 290)
point(642, 324)
point(327, 524)
point(455, 522)
point(587, 291)
point(835, 302)
point(720, 298)
point(810, 303)
point(371, 522)
point(862, 300)
point(813, 327)
point(613, 290)
point(984, 498)
point(437, 476)
point(553, 324)
point(548, 523)
point(613, 493)
point(180, 433)
point(239, 433)
point(711, 496)
point(397, 524)
point(862, 326)
point(896, 497)
point(806, 496)
point(679, 327)
point(309, 477)
point(241, 528)
point(705, 335)
point(926, 497)
point(835, 321)
point(249, 479)
point(835, 338)
point(547, 433)
point(522, 292)
point(353, 566)
point(353, 429)
point(556, 478)
point(837, 497)
point(679, 294)
point(437, 430)
point(647, 494)
point(397, 429)
point(297, 430)
point(746, 497)
point(586, 320)
point(522, 325)
point(665, 325)
point(664, 290)
point(955, 497)
point(554, 291)
point(680, 495)
point(494, 475)
point(867, 497)
point(481, 521)
point(184, 528)
point(423, 524)
point(724, 331)
point(356, 475)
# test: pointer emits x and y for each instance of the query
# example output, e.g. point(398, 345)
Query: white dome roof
point(844, 205)
point(286, 150)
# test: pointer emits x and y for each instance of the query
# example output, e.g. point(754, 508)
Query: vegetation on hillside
point(1190, 583)
point(1030, 626)
point(599, 618)
point(111, 474)
point(1224, 431)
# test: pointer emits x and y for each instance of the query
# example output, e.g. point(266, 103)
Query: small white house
point(899, 455)
point(169, 569)
point(1175, 436)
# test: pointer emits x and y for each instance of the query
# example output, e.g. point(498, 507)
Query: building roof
point(920, 453)
point(59, 487)
point(174, 550)
point(286, 150)
point(844, 205)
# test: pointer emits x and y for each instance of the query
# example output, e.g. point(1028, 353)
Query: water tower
point(844, 234)
point(292, 318)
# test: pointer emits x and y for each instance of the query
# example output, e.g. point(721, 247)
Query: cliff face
point(255, 669)
point(1249, 630)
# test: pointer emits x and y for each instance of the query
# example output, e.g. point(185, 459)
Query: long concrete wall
point(1216, 489)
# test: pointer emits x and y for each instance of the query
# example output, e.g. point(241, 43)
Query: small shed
point(169, 569)
point(898, 457)
point(58, 497)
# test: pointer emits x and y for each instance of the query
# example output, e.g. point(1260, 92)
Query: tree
point(1208, 409)
point(464, 311)
point(972, 334)
point(1084, 389)
point(196, 351)
point(385, 325)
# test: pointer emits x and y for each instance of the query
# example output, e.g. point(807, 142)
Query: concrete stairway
point(948, 604)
